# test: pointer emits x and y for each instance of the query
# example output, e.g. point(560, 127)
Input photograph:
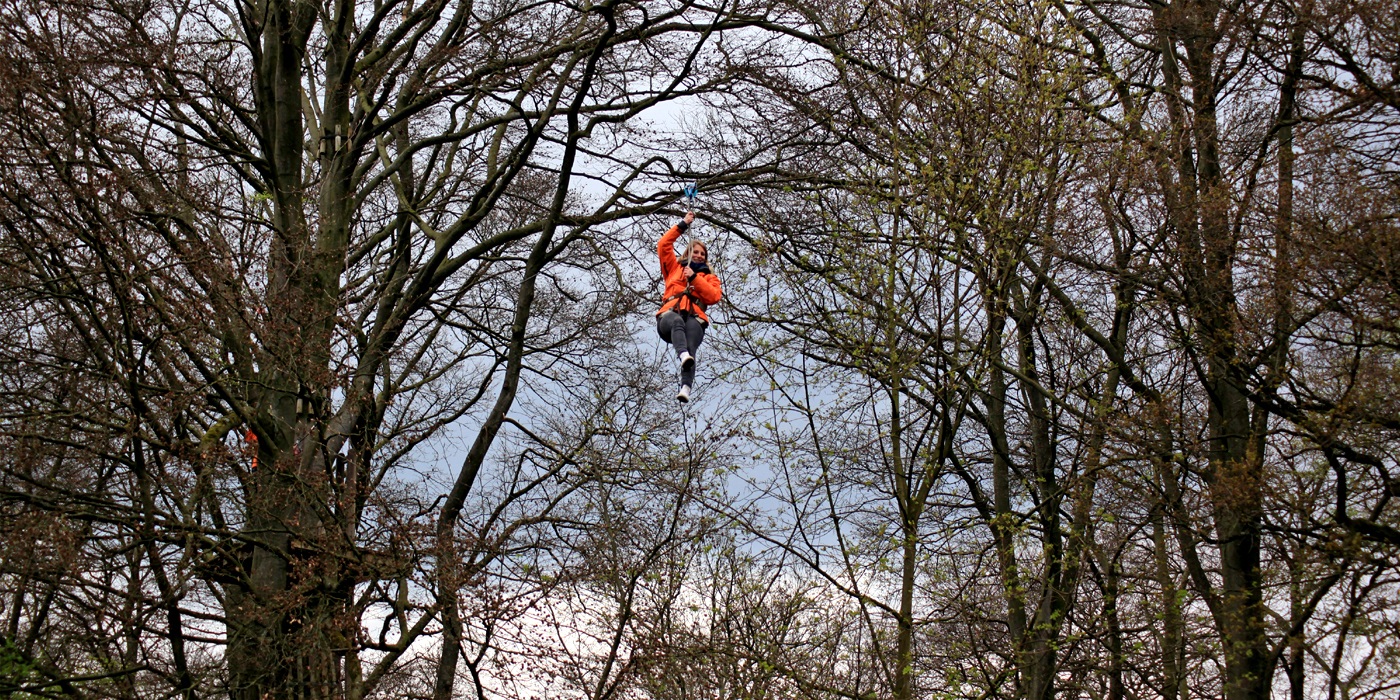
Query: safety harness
point(694, 302)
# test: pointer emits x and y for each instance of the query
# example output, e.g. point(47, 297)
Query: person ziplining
point(690, 288)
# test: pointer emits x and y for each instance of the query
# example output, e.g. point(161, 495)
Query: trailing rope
point(685, 433)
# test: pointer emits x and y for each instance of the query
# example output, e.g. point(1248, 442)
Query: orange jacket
point(704, 287)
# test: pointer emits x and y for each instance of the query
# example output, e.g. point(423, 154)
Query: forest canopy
point(1059, 353)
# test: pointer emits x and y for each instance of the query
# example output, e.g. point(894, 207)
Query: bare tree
point(272, 248)
point(1058, 355)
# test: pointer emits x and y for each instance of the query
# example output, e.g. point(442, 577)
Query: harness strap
point(687, 294)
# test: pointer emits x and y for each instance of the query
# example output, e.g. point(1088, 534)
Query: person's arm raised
point(666, 247)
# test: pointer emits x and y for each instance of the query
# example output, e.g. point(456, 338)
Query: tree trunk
point(1173, 677)
point(1199, 204)
point(1283, 321)
point(449, 573)
point(1039, 657)
point(1115, 630)
point(909, 535)
point(1003, 531)
point(280, 634)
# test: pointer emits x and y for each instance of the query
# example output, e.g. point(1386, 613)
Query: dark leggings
point(684, 332)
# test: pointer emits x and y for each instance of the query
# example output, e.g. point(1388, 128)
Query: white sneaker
point(683, 395)
point(687, 361)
